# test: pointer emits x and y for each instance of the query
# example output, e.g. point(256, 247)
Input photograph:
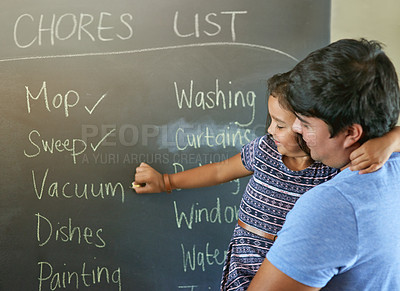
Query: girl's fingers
point(358, 165)
point(370, 169)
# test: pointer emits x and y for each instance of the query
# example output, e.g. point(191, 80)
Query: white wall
point(371, 19)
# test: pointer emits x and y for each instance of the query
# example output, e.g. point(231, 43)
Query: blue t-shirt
point(345, 233)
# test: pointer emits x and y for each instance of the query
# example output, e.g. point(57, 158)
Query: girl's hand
point(371, 156)
point(150, 180)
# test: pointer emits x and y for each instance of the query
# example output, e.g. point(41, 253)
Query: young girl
point(281, 170)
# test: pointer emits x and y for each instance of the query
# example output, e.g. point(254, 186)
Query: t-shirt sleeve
point(319, 238)
point(248, 154)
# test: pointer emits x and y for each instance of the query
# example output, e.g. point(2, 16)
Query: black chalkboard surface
point(89, 89)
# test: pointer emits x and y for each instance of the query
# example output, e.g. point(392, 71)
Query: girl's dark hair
point(277, 87)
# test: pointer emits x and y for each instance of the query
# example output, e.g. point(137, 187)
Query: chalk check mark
point(97, 103)
point(94, 148)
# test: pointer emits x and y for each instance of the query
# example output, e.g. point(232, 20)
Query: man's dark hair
point(347, 82)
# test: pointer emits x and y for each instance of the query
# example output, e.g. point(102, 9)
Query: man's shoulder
point(350, 187)
point(395, 158)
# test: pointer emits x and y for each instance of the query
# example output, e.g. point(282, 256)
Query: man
point(343, 234)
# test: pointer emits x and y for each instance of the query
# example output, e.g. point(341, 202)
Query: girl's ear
point(353, 133)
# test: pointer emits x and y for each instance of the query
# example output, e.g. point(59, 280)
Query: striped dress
point(270, 194)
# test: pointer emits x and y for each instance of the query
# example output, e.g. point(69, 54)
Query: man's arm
point(269, 278)
point(310, 248)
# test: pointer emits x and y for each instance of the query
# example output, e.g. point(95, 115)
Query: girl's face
point(281, 129)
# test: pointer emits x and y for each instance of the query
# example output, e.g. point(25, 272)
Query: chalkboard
point(89, 89)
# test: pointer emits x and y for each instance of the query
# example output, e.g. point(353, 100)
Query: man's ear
point(353, 134)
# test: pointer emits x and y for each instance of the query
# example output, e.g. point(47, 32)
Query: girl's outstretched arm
point(151, 181)
point(374, 153)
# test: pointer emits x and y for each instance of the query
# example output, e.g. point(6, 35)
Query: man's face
point(324, 148)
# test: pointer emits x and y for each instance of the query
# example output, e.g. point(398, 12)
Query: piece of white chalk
point(136, 185)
